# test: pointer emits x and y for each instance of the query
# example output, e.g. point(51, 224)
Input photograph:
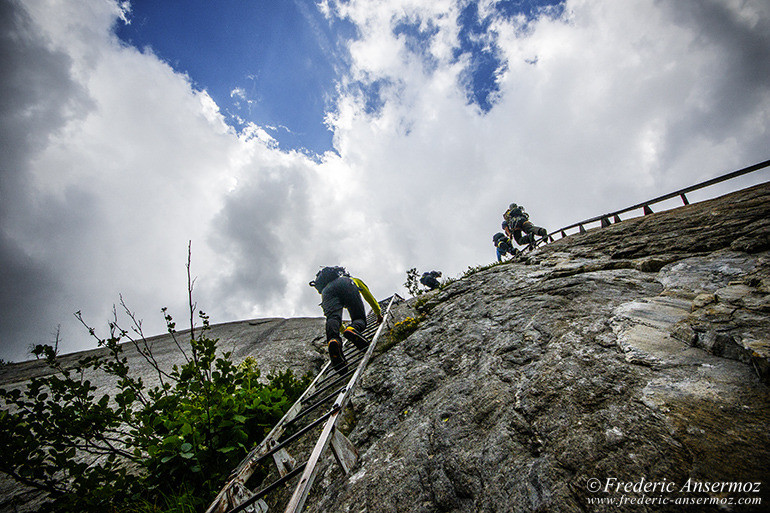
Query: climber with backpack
point(503, 246)
point(341, 291)
point(430, 279)
point(516, 221)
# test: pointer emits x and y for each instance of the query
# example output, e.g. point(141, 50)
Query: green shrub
point(164, 448)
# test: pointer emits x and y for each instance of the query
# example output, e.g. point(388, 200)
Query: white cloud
point(122, 161)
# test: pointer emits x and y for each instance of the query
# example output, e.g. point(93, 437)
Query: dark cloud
point(261, 223)
point(739, 80)
point(743, 37)
point(37, 98)
point(28, 300)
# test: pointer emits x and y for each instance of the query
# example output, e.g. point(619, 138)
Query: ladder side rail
point(297, 500)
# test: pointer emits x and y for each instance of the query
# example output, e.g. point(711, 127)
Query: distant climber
point(503, 246)
point(339, 290)
point(430, 279)
point(516, 221)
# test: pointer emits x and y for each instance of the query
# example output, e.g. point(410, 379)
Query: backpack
point(515, 216)
point(327, 275)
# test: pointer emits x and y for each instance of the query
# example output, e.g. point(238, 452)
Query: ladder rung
point(274, 485)
point(329, 385)
point(316, 404)
point(294, 437)
point(332, 376)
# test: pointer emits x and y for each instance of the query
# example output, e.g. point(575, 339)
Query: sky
point(278, 137)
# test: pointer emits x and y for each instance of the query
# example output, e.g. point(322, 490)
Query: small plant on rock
point(401, 330)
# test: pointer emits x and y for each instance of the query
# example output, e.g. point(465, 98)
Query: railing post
point(582, 230)
point(616, 218)
point(647, 210)
point(684, 199)
point(605, 222)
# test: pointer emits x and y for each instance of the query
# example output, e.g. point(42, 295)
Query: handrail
point(645, 205)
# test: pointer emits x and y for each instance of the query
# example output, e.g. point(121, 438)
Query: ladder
point(305, 416)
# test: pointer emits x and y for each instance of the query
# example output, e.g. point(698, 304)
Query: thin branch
point(44, 486)
point(146, 352)
point(190, 284)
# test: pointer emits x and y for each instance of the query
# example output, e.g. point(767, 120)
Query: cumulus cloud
point(112, 160)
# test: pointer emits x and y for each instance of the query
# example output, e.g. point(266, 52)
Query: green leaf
point(173, 439)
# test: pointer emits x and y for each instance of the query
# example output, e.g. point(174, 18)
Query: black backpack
point(327, 275)
point(516, 218)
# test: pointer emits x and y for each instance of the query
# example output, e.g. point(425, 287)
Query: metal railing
point(614, 217)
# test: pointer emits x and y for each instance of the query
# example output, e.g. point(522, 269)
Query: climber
point(516, 221)
point(503, 246)
point(339, 290)
point(430, 279)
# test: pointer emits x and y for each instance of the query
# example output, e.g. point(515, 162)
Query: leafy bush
point(170, 446)
point(412, 283)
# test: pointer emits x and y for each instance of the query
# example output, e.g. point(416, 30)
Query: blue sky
point(270, 63)
point(277, 137)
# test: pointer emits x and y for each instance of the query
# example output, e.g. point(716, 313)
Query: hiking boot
point(351, 334)
point(338, 359)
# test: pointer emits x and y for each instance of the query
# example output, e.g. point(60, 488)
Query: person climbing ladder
point(341, 291)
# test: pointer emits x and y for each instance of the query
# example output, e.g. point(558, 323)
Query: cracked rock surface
point(633, 352)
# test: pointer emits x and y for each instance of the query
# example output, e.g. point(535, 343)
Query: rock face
point(625, 357)
point(624, 369)
point(275, 344)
